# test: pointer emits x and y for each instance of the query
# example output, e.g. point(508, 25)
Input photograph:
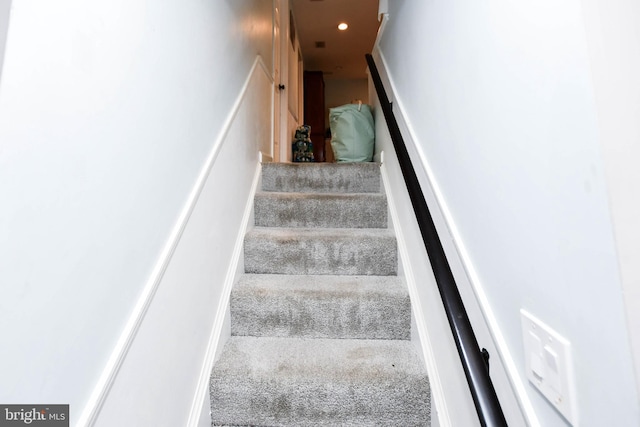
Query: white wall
point(613, 32)
point(184, 324)
point(109, 111)
point(500, 100)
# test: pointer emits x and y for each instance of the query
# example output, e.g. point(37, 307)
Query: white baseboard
point(202, 390)
point(426, 344)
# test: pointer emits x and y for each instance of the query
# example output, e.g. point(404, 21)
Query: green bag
point(352, 133)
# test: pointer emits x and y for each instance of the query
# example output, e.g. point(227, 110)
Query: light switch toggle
point(551, 362)
point(537, 364)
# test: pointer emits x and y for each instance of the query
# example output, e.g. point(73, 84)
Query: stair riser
point(321, 177)
point(312, 315)
point(299, 254)
point(339, 211)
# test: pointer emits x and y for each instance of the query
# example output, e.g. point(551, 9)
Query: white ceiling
point(343, 56)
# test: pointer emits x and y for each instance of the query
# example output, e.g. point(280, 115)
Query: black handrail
point(474, 360)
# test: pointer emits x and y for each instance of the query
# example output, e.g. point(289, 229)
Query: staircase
point(320, 323)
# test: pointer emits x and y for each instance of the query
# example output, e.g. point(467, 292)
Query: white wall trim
point(5, 18)
point(383, 7)
point(265, 158)
point(426, 344)
point(474, 280)
point(202, 390)
point(119, 353)
point(384, 18)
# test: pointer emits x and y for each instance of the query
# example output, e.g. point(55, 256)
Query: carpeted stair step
point(366, 307)
point(339, 251)
point(321, 177)
point(355, 210)
point(319, 382)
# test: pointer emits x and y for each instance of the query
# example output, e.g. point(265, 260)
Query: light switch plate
point(549, 365)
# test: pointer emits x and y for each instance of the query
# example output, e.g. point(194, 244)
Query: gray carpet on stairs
point(354, 210)
point(370, 307)
point(353, 251)
point(321, 177)
point(320, 321)
point(319, 382)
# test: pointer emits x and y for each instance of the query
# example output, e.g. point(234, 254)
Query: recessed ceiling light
point(343, 26)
